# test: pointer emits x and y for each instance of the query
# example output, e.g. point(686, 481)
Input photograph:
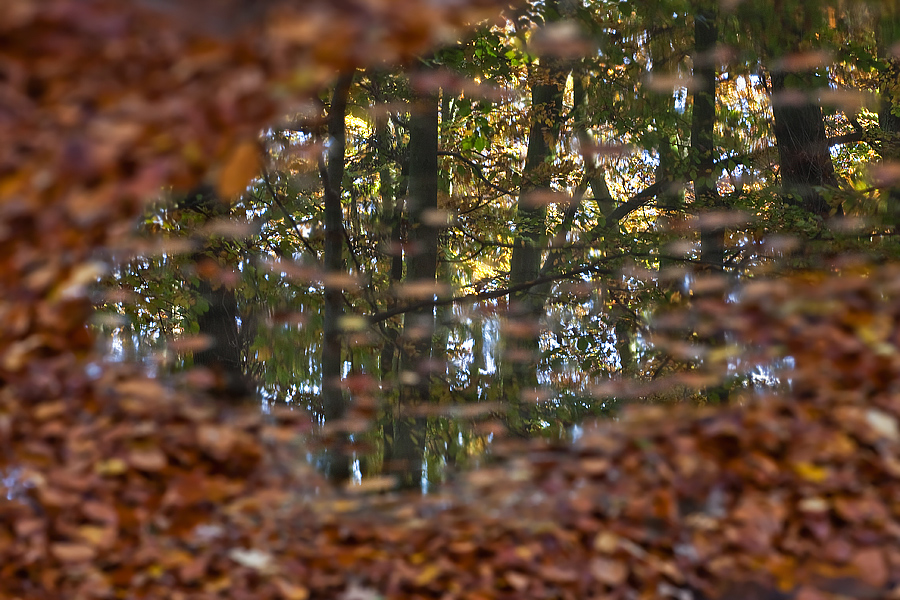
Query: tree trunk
point(889, 111)
point(218, 324)
point(526, 307)
point(421, 269)
point(333, 399)
point(389, 236)
point(802, 147)
point(703, 122)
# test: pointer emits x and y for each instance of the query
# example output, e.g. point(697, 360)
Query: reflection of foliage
point(122, 488)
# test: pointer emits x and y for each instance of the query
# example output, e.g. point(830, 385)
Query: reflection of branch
point(485, 243)
point(643, 197)
point(479, 170)
point(662, 364)
point(366, 291)
point(387, 314)
point(477, 206)
point(636, 201)
point(288, 215)
point(743, 159)
point(847, 138)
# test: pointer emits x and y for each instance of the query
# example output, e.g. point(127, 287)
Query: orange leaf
point(242, 165)
point(872, 567)
point(147, 460)
point(71, 553)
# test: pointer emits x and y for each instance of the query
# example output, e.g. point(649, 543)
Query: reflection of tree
point(804, 158)
point(334, 400)
point(218, 315)
point(588, 274)
point(547, 82)
point(421, 257)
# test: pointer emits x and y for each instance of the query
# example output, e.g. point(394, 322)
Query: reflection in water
point(13, 484)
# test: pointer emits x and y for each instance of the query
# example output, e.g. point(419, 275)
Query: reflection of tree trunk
point(624, 330)
point(391, 215)
point(703, 122)
point(526, 307)
point(219, 325)
point(333, 399)
point(889, 32)
point(443, 317)
point(421, 266)
point(479, 364)
point(670, 201)
point(443, 314)
point(389, 235)
point(805, 160)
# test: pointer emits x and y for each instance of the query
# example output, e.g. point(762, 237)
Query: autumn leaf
point(72, 553)
point(241, 165)
point(610, 572)
point(147, 459)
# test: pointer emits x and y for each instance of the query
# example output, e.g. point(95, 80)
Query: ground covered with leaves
point(117, 487)
point(129, 490)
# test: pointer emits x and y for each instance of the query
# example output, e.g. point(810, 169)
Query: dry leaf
point(72, 553)
point(610, 572)
point(242, 165)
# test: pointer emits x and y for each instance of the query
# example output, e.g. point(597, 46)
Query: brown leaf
point(194, 343)
point(242, 165)
point(517, 581)
point(609, 571)
point(97, 537)
point(148, 459)
point(371, 485)
point(72, 553)
point(99, 511)
point(217, 441)
point(872, 567)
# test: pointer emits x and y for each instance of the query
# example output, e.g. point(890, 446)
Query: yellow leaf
point(343, 506)
point(290, 591)
point(606, 542)
point(428, 574)
point(112, 467)
point(810, 472)
point(92, 534)
point(524, 552)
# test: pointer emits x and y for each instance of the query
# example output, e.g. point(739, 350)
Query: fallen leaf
point(252, 559)
point(150, 460)
point(608, 571)
point(872, 567)
point(72, 553)
point(242, 165)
